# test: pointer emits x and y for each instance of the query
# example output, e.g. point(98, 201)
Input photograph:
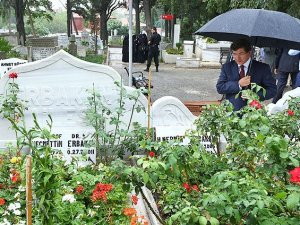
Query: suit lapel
point(235, 71)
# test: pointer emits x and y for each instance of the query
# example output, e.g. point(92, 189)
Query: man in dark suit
point(241, 72)
point(285, 65)
point(153, 49)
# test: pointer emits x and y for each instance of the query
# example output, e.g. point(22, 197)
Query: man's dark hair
point(241, 43)
point(154, 28)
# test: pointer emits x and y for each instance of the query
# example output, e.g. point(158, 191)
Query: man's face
point(241, 56)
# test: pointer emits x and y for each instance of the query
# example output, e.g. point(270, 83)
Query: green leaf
point(281, 195)
point(260, 204)
point(294, 161)
point(214, 221)
point(196, 155)
point(293, 200)
point(146, 178)
point(242, 123)
point(202, 220)
point(244, 133)
point(46, 179)
point(284, 155)
point(264, 129)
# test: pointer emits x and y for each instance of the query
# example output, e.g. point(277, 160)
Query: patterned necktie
point(242, 71)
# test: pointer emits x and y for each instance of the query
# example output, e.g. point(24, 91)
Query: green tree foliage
point(45, 27)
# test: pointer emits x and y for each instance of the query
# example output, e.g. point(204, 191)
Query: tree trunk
point(31, 23)
point(136, 5)
point(74, 23)
point(19, 10)
point(103, 27)
point(9, 20)
point(69, 17)
point(147, 10)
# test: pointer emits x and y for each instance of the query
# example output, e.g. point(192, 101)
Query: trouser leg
point(297, 82)
point(293, 79)
point(281, 83)
point(149, 61)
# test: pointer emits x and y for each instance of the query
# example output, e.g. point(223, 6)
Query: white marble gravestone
point(39, 53)
point(57, 86)
point(282, 103)
point(8, 64)
point(172, 119)
point(188, 48)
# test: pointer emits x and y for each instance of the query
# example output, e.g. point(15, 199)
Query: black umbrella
point(264, 28)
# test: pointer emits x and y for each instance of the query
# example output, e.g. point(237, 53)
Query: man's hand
point(245, 81)
point(275, 71)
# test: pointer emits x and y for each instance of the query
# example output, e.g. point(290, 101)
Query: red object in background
point(167, 17)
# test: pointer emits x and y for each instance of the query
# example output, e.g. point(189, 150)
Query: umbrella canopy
point(264, 28)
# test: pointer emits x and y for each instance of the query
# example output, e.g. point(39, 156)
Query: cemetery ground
point(183, 83)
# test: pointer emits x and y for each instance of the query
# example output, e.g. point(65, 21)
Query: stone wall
point(43, 42)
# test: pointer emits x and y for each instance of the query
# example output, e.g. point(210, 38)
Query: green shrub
point(4, 45)
point(93, 58)
point(175, 51)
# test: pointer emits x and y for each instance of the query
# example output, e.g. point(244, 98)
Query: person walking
point(241, 72)
point(285, 65)
point(153, 49)
point(296, 52)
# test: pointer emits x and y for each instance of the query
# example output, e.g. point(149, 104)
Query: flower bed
point(255, 181)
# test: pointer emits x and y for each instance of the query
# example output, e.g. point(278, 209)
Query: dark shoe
point(147, 70)
point(156, 69)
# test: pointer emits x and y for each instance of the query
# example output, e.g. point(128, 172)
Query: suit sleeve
point(268, 83)
point(225, 85)
point(278, 56)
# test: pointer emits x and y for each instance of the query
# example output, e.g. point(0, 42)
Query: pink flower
point(13, 75)
point(255, 104)
point(295, 175)
point(151, 154)
point(290, 112)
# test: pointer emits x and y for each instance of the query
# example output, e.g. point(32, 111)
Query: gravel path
point(182, 83)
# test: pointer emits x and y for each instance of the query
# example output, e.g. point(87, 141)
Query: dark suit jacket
point(228, 82)
point(285, 62)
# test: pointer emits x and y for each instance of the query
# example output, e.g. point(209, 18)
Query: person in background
point(296, 52)
point(241, 72)
point(285, 65)
point(153, 49)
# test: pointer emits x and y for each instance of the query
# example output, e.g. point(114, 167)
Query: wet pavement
point(183, 83)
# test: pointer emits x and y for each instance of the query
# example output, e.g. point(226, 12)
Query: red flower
point(151, 154)
point(187, 187)
point(255, 104)
point(1, 186)
point(79, 189)
point(13, 75)
point(134, 199)
point(99, 193)
point(2, 201)
point(195, 187)
point(104, 187)
point(295, 175)
point(15, 176)
point(290, 112)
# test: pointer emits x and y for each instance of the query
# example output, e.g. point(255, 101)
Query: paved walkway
point(182, 83)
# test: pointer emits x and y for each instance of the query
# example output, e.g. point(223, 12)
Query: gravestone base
point(185, 62)
point(214, 65)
